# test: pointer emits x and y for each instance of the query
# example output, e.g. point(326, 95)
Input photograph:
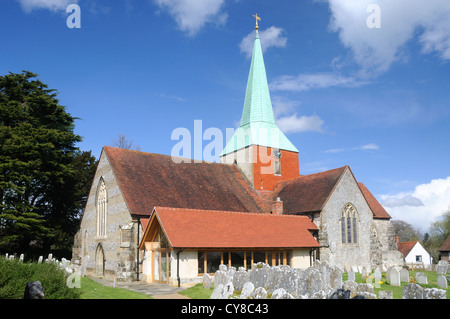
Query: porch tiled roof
point(193, 228)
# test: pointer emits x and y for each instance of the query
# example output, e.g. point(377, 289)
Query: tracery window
point(102, 208)
point(349, 225)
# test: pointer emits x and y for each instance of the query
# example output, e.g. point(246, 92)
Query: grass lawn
point(197, 292)
point(92, 290)
point(398, 291)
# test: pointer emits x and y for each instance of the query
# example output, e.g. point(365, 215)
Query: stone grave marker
point(394, 276)
point(421, 278)
point(404, 275)
point(412, 291)
point(442, 281)
point(351, 275)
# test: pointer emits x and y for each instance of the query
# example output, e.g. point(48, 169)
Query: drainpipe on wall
point(178, 266)
point(137, 249)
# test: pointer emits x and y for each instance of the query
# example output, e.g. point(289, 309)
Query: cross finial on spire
point(257, 19)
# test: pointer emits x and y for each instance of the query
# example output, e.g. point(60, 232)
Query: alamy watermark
point(74, 19)
point(374, 19)
point(207, 145)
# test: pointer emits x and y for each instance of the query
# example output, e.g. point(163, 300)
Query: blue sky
point(376, 99)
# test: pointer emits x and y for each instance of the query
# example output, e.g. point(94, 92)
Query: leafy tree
point(40, 166)
point(405, 231)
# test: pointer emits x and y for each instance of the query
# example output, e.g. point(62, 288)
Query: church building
point(151, 218)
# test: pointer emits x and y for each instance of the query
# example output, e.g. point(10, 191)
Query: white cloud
point(375, 49)
point(295, 124)
point(288, 121)
point(402, 200)
point(370, 146)
point(422, 206)
point(192, 15)
point(366, 147)
point(308, 81)
point(53, 5)
point(271, 37)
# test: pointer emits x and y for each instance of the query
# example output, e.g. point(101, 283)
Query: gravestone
point(404, 275)
point(259, 293)
point(385, 294)
point(217, 292)
point(40, 259)
point(351, 275)
point(247, 289)
point(388, 274)
point(434, 293)
point(278, 293)
point(351, 286)
point(220, 277)
point(412, 291)
point(227, 291)
point(364, 272)
point(207, 281)
point(240, 278)
point(442, 281)
point(336, 277)
point(377, 276)
point(314, 280)
point(301, 288)
point(442, 267)
point(422, 278)
point(394, 276)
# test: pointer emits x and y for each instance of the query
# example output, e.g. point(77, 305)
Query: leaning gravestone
point(442, 281)
point(207, 281)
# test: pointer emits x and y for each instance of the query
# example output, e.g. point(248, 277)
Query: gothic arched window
point(102, 208)
point(349, 225)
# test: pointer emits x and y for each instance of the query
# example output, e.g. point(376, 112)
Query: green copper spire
point(258, 123)
point(257, 105)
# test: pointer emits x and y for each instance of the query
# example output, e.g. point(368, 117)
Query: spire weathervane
point(257, 19)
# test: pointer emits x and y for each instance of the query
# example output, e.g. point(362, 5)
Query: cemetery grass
point(398, 291)
point(198, 292)
point(92, 290)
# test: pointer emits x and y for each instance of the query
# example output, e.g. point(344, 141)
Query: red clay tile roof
point(405, 247)
point(375, 206)
point(307, 193)
point(148, 180)
point(446, 245)
point(192, 228)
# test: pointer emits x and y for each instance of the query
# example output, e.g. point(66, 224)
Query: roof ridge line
point(229, 212)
